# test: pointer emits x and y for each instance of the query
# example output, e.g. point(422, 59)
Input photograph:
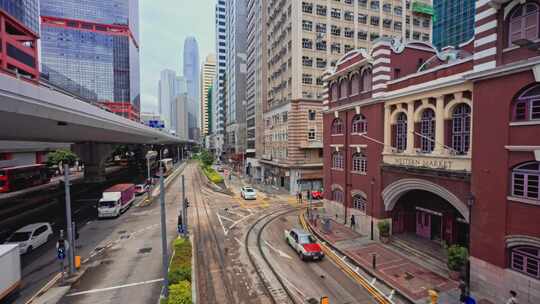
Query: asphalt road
point(309, 279)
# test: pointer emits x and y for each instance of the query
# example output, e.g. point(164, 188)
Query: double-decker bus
point(17, 178)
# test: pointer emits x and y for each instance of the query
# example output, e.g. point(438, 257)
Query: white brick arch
point(393, 192)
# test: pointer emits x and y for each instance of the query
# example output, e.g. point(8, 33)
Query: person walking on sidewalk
point(300, 197)
point(512, 299)
point(353, 222)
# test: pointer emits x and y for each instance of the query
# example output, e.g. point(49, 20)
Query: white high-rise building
point(208, 72)
point(218, 103)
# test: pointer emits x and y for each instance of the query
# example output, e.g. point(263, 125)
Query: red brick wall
point(494, 216)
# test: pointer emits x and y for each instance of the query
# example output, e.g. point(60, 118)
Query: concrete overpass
point(40, 112)
point(31, 112)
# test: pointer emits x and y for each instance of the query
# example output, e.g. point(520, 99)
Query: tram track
point(211, 288)
point(281, 293)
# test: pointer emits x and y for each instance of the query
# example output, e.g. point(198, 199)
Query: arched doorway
point(426, 211)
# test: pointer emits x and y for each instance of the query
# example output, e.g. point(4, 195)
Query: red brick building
point(440, 142)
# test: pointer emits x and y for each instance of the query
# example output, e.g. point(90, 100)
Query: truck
point(10, 263)
point(115, 200)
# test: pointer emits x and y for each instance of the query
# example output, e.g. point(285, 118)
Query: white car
point(31, 237)
point(248, 193)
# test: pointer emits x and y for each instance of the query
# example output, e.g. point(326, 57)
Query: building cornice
point(506, 69)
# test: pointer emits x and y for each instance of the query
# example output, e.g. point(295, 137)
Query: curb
point(147, 202)
point(395, 290)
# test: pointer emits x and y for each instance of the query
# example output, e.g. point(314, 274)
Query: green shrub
point(180, 293)
point(212, 175)
point(457, 257)
point(179, 274)
point(384, 227)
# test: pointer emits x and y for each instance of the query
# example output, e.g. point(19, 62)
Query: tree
point(63, 155)
point(206, 158)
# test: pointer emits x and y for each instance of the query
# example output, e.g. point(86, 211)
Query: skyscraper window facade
point(192, 76)
point(454, 22)
point(91, 49)
point(26, 11)
point(208, 73)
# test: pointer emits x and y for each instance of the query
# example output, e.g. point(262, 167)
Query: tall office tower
point(208, 72)
point(168, 90)
point(20, 26)
point(305, 38)
point(256, 83)
point(93, 47)
point(236, 78)
point(221, 69)
point(181, 101)
point(454, 23)
point(192, 76)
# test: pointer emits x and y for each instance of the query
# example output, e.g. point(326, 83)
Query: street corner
point(408, 277)
point(333, 231)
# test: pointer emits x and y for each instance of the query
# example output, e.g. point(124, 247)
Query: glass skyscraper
point(454, 22)
point(192, 76)
point(26, 11)
point(91, 49)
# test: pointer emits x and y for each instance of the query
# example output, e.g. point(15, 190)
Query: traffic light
point(186, 202)
point(61, 247)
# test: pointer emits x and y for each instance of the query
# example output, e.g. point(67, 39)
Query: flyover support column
point(93, 156)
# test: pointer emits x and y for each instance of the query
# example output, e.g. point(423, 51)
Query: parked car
point(317, 195)
point(141, 189)
point(31, 236)
point(248, 193)
point(304, 244)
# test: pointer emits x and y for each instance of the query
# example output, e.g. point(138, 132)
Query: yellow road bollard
point(77, 261)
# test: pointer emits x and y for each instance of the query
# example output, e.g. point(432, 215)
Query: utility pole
point(71, 255)
point(163, 233)
point(184, 207)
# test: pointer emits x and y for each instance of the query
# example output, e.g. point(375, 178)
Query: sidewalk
point(400, 272)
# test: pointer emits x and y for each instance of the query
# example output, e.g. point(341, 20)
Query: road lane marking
point(221, 223)
point(281, 253)
point(225, 218)
point(113, 287)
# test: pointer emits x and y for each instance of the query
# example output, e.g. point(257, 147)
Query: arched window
point(461, 128)
point(401, 132)
point(337, 126)
point(335, 92)
point(337, 160)
point(427, 129)
point(355, 84)
point(526, 181)
point(527, 105)
point(523, 23)
point(359, 203)
point(359, 163)
point(359, 124)
point(337, 195)
point(366, 80)
point(343, 89)
point(526, 259)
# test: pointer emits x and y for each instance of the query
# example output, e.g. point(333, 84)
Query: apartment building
point(305, 39)
point(256, 84)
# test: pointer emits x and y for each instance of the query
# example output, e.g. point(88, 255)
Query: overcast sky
point(164, 24)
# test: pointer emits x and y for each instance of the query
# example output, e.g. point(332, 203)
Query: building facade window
point(355, 84)
point(337, 126)
point(321, 45)
point(362, 18)
point(526, 259)
point(335, 93)
point(311, 134)
point(401, 132)
point(526, 181)
point(427, 129)
point(359, 203)
point(337, 160)
point(335, 13)
point(461, 128)
point(307, 25)
point(307, 7)
point(374, 5)
point(359, 124)
point(527, 106)
point(337, 195)
point(307, 79)
point(307, 43)
point(312, 114)
point(343, 89)
point(366, 80)
point(523, 23)
point(307, 61)
point(320, 28)
point(321, 10)
point(359, 163)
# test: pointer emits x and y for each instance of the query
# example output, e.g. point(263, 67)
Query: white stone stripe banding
point(485, 27)
point(381, 77)
point(382, 69)
point(485, 40)
point(485, 53)
point(381, 52)
point(480, 3)
point(487, 13)
point(485, 66)
point(381, 60)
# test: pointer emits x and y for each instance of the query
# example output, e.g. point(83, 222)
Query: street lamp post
point(149, 155)
point(372, 203)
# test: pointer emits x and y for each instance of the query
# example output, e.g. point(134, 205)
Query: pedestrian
point(353, 221)
point(300, 196)
point(512, 299)
point(308, 195)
